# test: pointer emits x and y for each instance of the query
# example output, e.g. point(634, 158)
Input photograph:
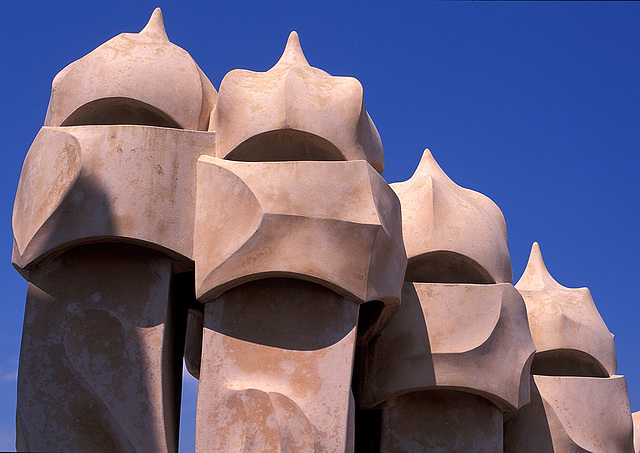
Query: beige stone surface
point(334, 223)
point(98, 364)
point(570, 336)
point(134, 78)
point(451, 234)
point(439, 421)
point(573, 414)
point(251, 233)
point(636, 431)
point(90, 183)
point(293, 111)
point(473, 338)
point(276, 369)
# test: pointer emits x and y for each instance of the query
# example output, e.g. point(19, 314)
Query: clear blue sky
point(536, 105)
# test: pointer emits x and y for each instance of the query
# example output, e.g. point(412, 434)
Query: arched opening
point(444, 266)
point(285, 145)
point(567, 362)
point(119, 111)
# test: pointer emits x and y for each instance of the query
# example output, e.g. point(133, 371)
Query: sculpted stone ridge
point(472, 338)
point(334, 223)
point(138, 76)
point(293, 111)
point(569, 414)
point(564, 319)
point(121, 182)
point(451, 234)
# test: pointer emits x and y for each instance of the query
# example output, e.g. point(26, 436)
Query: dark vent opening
point(285, 145)
point(567, 362)
point(368, 318)
point(109, 111)
point(446, 267)
point(368, 423)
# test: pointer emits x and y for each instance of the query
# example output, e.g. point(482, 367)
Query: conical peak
point(155, 26)
point(536, 276)
point(292, 55)
point(428, 167)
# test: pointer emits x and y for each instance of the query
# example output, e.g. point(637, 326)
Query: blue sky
point(536, 105)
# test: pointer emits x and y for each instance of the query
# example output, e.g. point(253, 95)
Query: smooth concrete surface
point(276, 367)
point(441, 421)
point(98, 364)
point(451, 234)
point(573, 414)
point(335, 223)
point(472, 338)
point(120, 182)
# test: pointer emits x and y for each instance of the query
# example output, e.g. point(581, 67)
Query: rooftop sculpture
point(250, 232)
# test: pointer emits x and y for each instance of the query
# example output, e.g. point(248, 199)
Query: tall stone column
point(103, 231)
point(283, 260)
point(100, 365)
point(276, 369)
point(294, 230)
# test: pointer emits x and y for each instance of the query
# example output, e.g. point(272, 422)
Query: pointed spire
point(536, 276)
point(155, 26)
point(292, 55)
point(429, 167)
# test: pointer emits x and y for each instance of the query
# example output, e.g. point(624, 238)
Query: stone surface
point(334, 223)
point(441, 420)
point(451, 234)
point(472, 338)
point(573, 414)
point(276, 369)
point(636, 431)
point(120, 182)
point(293, 112)
point(570, 336)
point(134, 78)
point(251, 234)
point(100, 362)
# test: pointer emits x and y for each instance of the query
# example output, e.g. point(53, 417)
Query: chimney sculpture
point(578, 403)
point(323, 310)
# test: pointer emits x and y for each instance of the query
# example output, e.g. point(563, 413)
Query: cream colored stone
point(472, 338)
point(636, 431)
point(451, 234)
point(441, 421)
point(276, 369)
point(90, 183)
point(297, 261)
point(573, 414)
point(293, 112)
point(98, 364)
point(134, 78)
point(570, 336)
point(334, 223)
